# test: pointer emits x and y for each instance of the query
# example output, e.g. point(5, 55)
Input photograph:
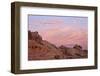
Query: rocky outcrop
point(39, 49)
point(78, 47)
point(75, 52)
point(34, 36)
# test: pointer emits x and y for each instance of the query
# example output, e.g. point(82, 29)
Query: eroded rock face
point(43, 51)
point(34, 36)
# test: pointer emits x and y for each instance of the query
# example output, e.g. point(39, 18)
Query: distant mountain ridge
point(39, 49)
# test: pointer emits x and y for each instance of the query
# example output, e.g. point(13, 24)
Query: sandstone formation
point(39, 49)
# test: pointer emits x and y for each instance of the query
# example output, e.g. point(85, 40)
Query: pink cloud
point(67, 35)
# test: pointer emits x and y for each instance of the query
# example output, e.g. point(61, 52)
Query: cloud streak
point(65, 36)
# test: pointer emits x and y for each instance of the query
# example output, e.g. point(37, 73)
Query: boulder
point(78, 47)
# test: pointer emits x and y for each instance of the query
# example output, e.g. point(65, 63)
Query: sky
point(61, 30)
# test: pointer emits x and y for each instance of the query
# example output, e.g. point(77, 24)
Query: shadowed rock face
point(29, 35)
point(39, 49)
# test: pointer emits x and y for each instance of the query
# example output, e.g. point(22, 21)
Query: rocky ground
point(39, 49)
